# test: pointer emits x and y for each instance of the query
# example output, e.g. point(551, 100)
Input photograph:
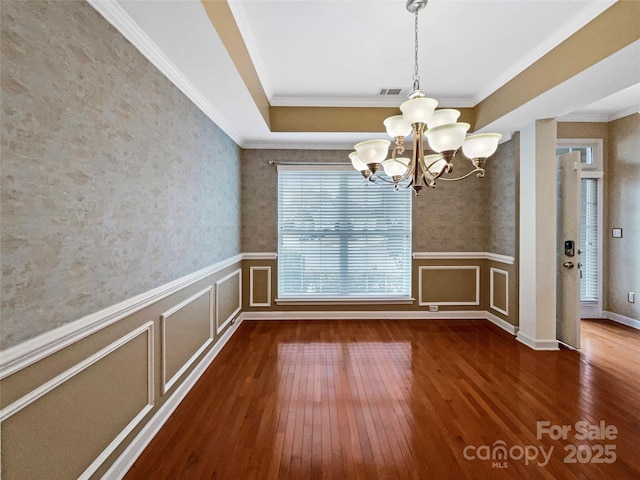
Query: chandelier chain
point(416, 75)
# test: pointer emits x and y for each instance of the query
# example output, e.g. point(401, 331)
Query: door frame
point(593, 170)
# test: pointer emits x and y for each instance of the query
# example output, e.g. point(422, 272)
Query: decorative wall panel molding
point(167, 383)
point(31, 351)
point(34, 396)
point(231, 310)
point(504, 309)
point(252, 301)
point(125, 461)
point(447, 301)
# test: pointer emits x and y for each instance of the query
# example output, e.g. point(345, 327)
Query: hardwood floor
point(403, 400)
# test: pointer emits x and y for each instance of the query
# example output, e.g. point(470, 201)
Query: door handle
point(567, 264)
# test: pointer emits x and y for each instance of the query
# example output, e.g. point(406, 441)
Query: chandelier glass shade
point(444, 134)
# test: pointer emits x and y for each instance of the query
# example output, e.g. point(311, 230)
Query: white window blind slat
point(589, 240)
point(338, 238)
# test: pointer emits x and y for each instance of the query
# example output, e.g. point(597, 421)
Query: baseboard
point(128, 457)
point(365, 315)
point(537, 344)
point(376, 315)
point(616, 317)
point(503, 324)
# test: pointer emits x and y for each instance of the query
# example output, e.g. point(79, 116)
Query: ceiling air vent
point(394, 92)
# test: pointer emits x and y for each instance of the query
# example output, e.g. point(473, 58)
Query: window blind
point(339, 238)
point(589, 240)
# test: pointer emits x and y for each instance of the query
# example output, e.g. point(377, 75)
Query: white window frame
point(341, 300)
point(594, 170)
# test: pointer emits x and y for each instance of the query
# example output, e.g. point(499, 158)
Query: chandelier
point(420, 118)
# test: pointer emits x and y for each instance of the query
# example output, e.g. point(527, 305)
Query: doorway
point(591, 221)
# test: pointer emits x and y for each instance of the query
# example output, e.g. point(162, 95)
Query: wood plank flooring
point(403, 400)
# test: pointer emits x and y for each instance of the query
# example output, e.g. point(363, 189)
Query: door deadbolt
point(567, 264)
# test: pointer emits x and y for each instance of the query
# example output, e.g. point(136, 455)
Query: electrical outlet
point(433, 308)
point(631, 297)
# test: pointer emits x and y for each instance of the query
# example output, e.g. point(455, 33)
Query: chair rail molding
point(464, 256)
point(33, 350)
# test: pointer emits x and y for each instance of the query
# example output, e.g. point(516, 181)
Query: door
point(568, 251)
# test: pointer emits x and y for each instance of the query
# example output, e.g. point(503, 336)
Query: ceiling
point(326, 53)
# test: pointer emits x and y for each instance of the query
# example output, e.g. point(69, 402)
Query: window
point(589, 240)
point(586, 153)
point(338, 238)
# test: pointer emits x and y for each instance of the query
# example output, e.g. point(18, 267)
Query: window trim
point(344, 300)
point(397, 300)
point(597, 144)
point(593, 309)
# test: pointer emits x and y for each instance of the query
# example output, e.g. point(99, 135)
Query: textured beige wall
point(450, 284)
point(623, 180)
point(454, 216)
point(451, 218)
point(113, 182)
point(583, 130)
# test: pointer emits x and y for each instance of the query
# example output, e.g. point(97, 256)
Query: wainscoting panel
point(68, 426)
point(228, 299)
point(499, 290)
point(449, 285)
point(260, 286)
point(80, 401)
point(187, 330)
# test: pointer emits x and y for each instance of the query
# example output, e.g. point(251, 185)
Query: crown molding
point(545, 47)
point(369, 101)
point(121, 21)
point(599, 117)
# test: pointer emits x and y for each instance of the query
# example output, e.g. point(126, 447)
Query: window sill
point(345, 301)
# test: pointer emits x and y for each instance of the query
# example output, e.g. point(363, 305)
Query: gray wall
point(113, 182)
point(450, 218)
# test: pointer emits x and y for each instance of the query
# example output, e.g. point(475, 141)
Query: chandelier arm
point(412, 164)
point(479, 171)
point(422, 177)
point(428, 180)
point(376, 178)
point(435, 176)
point(398, 149)
point(383, 182)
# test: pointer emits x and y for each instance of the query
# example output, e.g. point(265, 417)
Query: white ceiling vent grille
point(393, 92)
